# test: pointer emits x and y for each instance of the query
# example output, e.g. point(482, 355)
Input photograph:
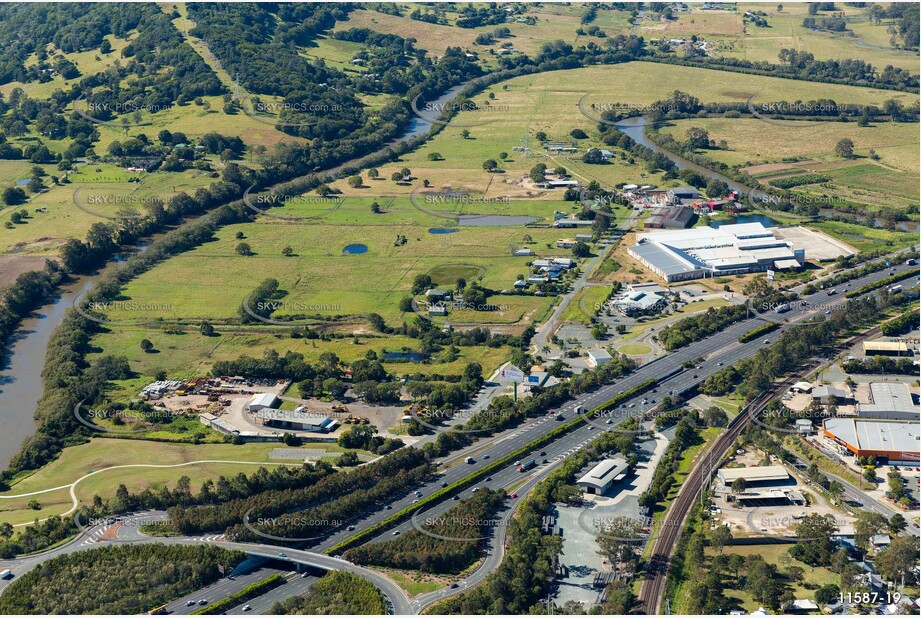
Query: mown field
point(892, 180)
point(163, 465)
point(738, 38)
point(45, 232)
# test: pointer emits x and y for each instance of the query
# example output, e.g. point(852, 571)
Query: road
point(721, 349)
point(653, 586)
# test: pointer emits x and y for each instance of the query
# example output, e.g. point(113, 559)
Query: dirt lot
point(819, 246)
point(11, 266)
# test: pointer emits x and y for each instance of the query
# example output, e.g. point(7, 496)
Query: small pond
point(355, 249)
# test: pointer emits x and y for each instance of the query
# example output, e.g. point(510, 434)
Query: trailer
point(528, 465)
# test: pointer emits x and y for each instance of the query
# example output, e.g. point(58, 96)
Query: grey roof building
point(889, 401)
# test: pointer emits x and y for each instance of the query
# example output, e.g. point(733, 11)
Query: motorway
point(721, 349)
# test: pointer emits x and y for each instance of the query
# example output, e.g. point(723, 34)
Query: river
point(23, 359)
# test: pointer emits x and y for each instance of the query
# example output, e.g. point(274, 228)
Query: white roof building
point(598, 357)
point(262, 400)
point(600, 478)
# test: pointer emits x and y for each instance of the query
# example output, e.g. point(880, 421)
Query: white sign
point(770, 275)
point(512, 374)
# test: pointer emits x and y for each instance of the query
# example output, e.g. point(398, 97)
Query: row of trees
point(472, 519)
point(117, 579)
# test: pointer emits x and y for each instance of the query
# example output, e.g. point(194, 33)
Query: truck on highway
point(524, 467)
point(895, 289)
point(579, 409)
point(6, 574)
point(783, 308)
point(469, 460)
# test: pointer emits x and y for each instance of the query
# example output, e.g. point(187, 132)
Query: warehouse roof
point(876, 435)
point(755, 473)
point(605, 472)
point(263, 399)
point(669, 262)
point(889, 397)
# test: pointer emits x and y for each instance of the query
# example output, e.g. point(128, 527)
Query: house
point(880, 541)
point(563, 184)
point(523, 252)
point(801, 387)
point(261, 401)
point(564, 262)
point(538, 279)
point(604, 474)
point(606, 154)
point(827, 395)
point(597, 358)
point(566, 243)
point(584, 237)
point(521, 284)
point(803, 605)
point(436, 294)
point(677, 195)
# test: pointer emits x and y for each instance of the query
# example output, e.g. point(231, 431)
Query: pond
point(414, 357)
point(764, 220)
point(442, 230)
point(355, 249)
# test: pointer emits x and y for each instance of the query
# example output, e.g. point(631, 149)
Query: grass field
point(45, 232)
point(814, 576)
point(79, 461)
point(892, 180)
point(736, 38)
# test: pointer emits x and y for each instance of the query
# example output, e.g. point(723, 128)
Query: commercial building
point(600, 478)
point(832, 395)
point(888, 348)
point(680, 255)
point(676, 218)
point(596, 358)
point(296, 419)
point(261, 401)
point(640, 303)
point(891, 401)
point(755, 476)
point(895, 442)
point(682, 195)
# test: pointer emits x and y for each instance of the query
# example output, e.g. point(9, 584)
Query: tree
point(244, 249)
point(619, 539)
point(465, 134)
point(435, 156)
point(845, 148)
point(490, 165)
point(581, 250)
point(719, 536)
point(896, 562)
point(13, 196)
point(206, 329)
point(739, 485)
point(867, 526)
point(287, 251)
point(897, 524)
point(396, 177)
point(373, 173)
point(827, 594)
point(697, 138)
point(599, 331)
point(147, 346)
point(355, 181)
point(593, 157)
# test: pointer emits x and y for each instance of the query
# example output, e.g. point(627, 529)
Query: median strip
point(475, 476)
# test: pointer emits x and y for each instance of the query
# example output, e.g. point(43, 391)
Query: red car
point(513, 496)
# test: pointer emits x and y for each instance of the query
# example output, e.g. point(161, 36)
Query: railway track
point(655, 577)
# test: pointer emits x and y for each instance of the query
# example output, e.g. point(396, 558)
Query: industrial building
point(675, 218)
point(755, 476)
point(600, 478)
point(637, 302)
point(894, 442)
point(596, 358)
point(832, 395)
point(297, 420)
point(680, 255)
point(682, 195)
point(888, 348)
point(261, 401)
point(891, 401)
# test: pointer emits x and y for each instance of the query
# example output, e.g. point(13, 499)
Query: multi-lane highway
point(717, 351)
